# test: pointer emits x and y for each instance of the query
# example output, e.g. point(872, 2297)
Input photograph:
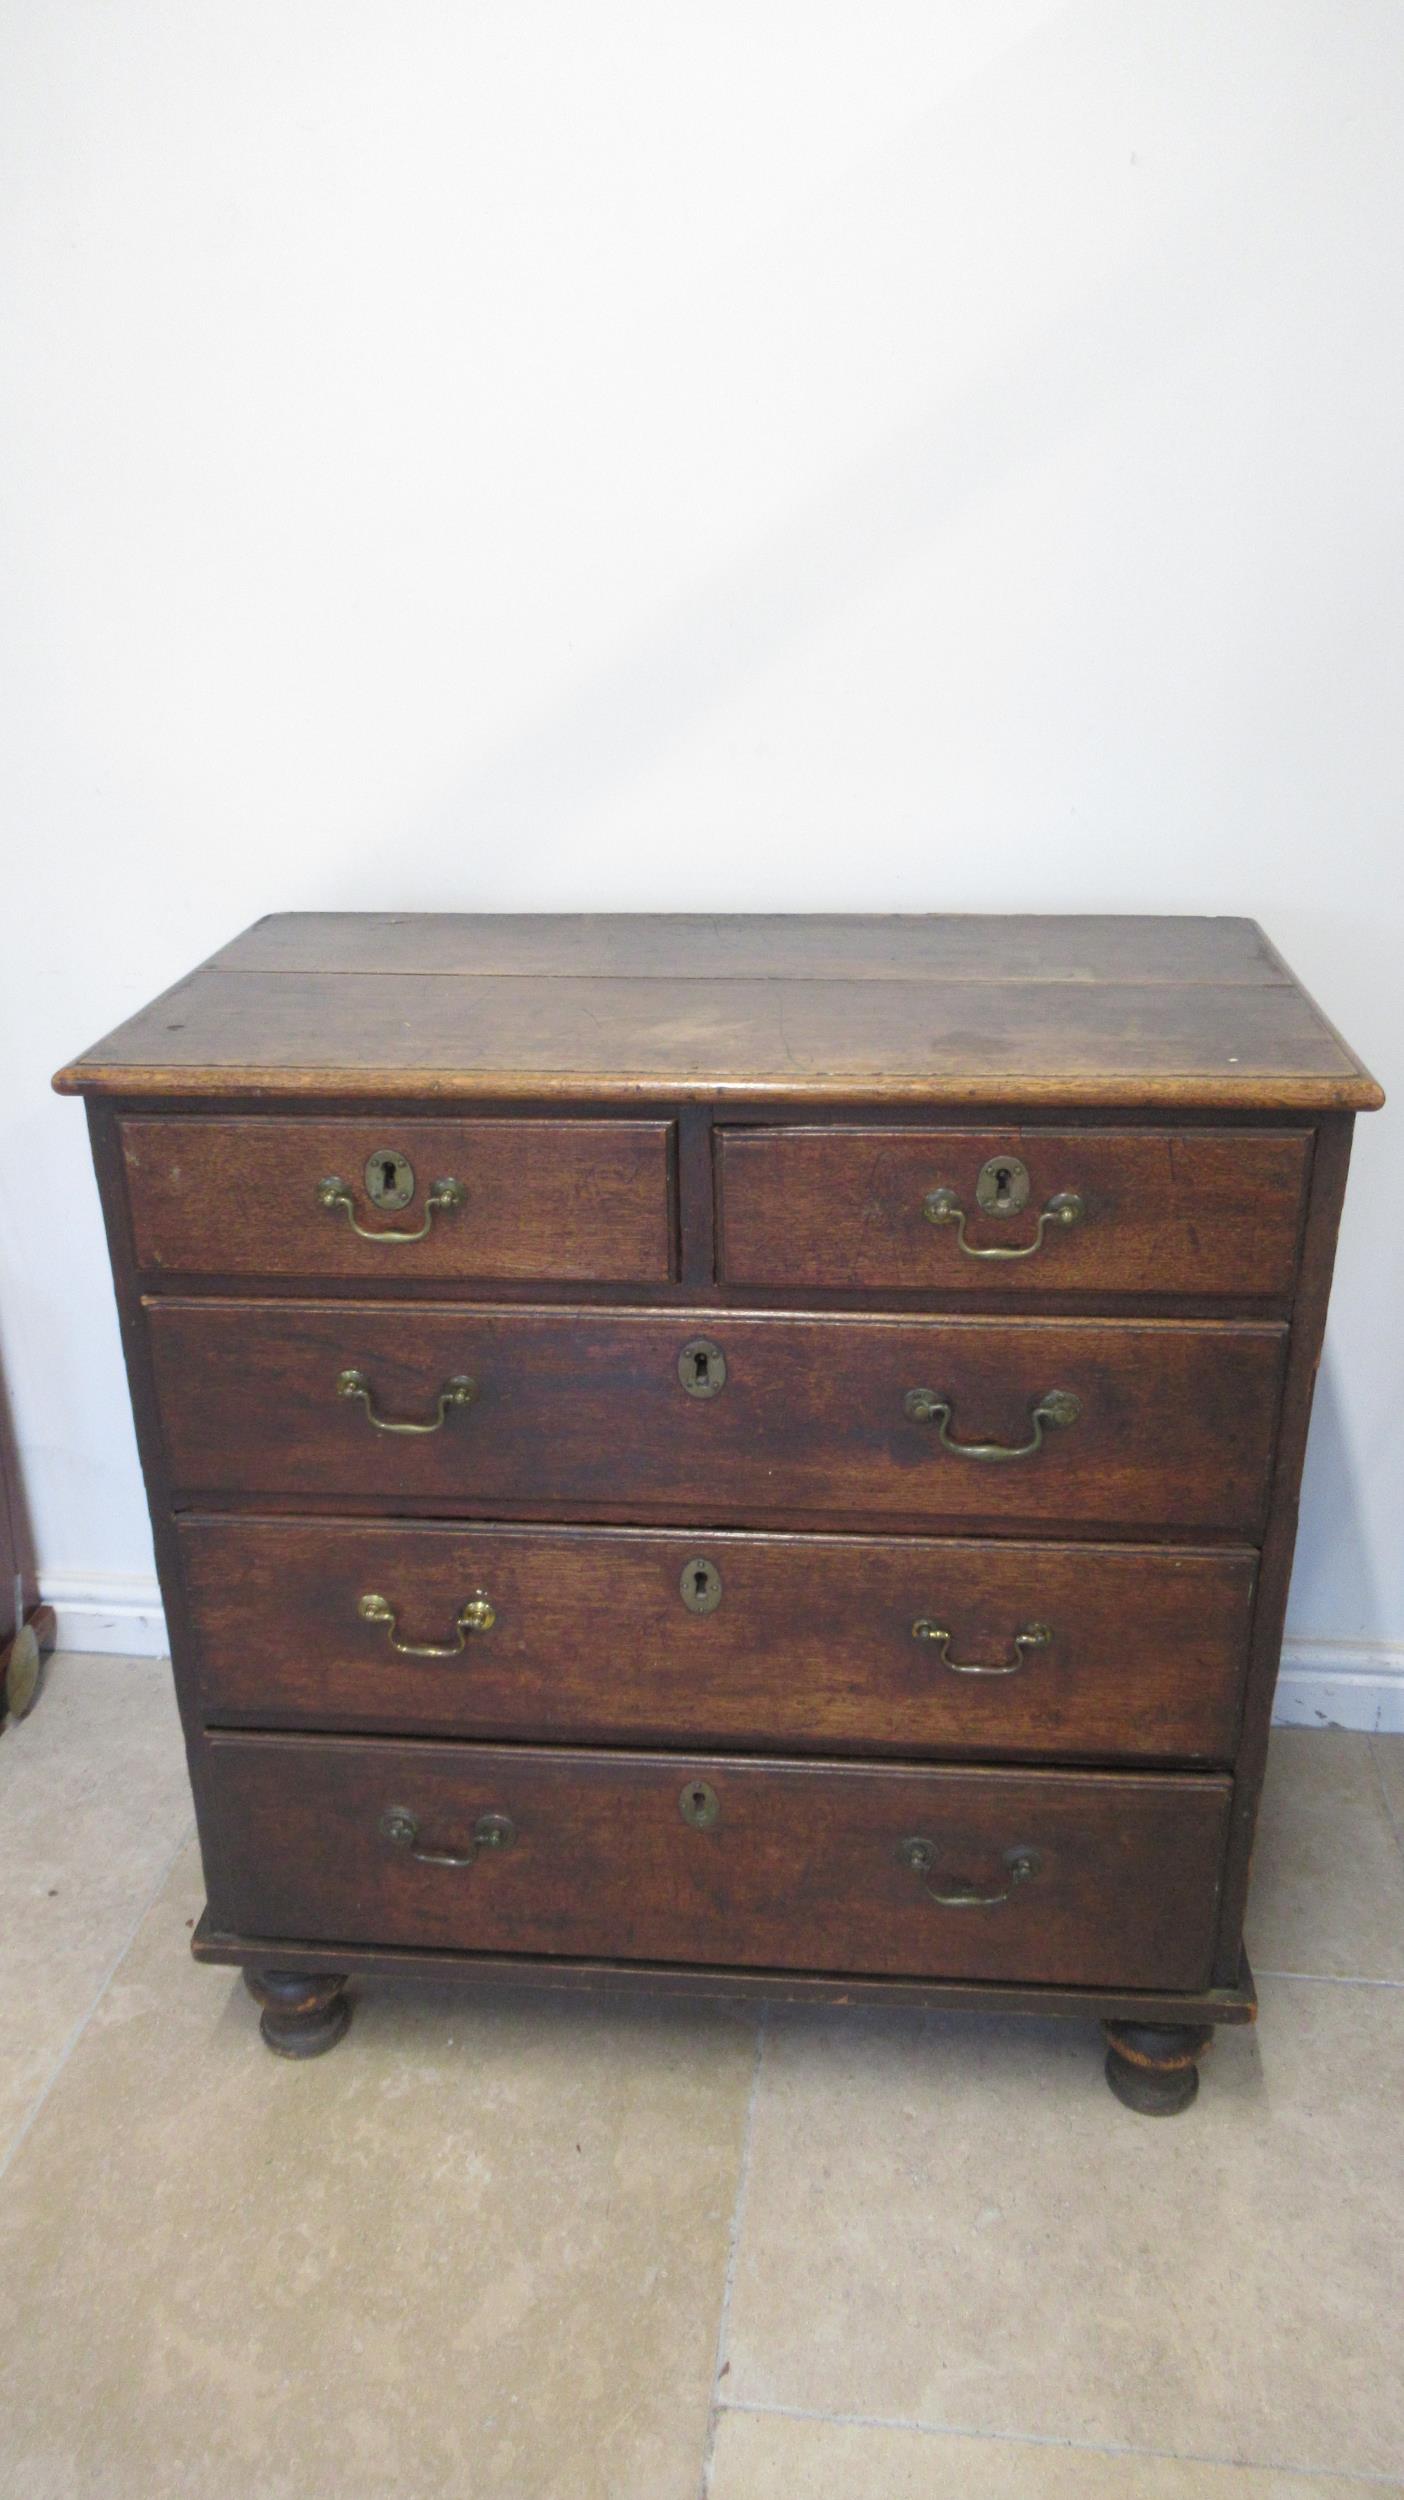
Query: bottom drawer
point(1076, 1878)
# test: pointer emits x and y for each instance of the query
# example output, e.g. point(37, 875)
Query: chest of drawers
point(730, 1454)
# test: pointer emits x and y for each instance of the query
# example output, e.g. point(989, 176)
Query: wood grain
point(1330, 1166)
point(800, 1869)
point(568, 1974)
point(1099, 1026)
point(810, 1649)
point(772, 946)
point(1165, 1211)
point(586, 1408)
point(1196, 1085)
point(576, 1200)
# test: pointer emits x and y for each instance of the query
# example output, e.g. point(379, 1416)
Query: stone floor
point(544, 2248)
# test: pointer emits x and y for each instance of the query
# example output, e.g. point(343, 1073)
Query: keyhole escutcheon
point(699, 1805)
point(701, 1586)
point(702, 1367)
point(1002, 1186)
point(389, 1178)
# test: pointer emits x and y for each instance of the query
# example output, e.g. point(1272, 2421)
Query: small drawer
point(1134, 1211)
point(394, 1199)
point(1079, 1879)
point(815, 1644)
point(732, 1419)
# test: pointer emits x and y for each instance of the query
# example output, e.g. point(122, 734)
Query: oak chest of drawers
point(730, 1453)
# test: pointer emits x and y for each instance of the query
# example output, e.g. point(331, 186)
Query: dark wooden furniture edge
point(41, 1624)
point(1253, 1093)
point(119, 1063)
point(1236, 2004)
point(1325, 1197)
point(1155, 2037)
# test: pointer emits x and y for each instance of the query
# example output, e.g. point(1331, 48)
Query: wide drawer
point(1084, 1879)
point(555, 1199)
point(1152, 1211)
point(815, 1644)
point(1151, 1424)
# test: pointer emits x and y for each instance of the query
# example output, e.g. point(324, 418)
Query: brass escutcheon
point(702, 1367)
point(701, 1586)
point(389, 1178)
point(1002, 1186)
point(699, 1805)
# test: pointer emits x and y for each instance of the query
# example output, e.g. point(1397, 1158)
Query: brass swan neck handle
point(333, 1193)
point(1056, 1409)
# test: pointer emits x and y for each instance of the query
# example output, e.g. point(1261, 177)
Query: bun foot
point(1153, 2067)
point(303, 2015)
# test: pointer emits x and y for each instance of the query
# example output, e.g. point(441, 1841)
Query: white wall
point(843, 453)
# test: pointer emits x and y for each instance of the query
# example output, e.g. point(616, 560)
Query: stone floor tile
point(774, 2456)
point(1328, 1876)
point(1387, 1753)
point(479, 2250)
point(950, 2222)
point(94, 1801)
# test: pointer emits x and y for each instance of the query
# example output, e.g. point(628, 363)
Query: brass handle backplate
point(334, 1193)
point(943, 1207)
point(460, 1391)
point(957, 1892)
point(477, 1614)
point(1033, 1636)
point(1057, 1408)
point(401, 1829)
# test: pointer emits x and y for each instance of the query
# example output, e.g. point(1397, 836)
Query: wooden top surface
point(964, 1009)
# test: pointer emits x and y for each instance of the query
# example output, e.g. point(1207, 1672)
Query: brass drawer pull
point(334, 1193)
point(1033, 1636)
point(459, 1391)
point(941, 1206)
point(477, 1614)
point(1056, 1407)
point(921, 1855)
point(491, 1831)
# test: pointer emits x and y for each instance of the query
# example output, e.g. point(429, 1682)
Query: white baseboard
point(1356, 1684)
point(119, 1615)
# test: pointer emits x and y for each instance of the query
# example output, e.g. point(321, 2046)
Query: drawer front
point(794, 1644)
point(1168, 1211)
point(1075, 1878)
point(555, 1199)
point(589, 1411)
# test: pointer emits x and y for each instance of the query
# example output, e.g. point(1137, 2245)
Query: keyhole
point(699, 1805)
point(1002, 1186)
point(389, 1178)
point(700, 1587)
point(702, 1367)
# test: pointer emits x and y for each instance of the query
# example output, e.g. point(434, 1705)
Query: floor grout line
point(1329, 1978)
point(1044, 2439)
point(733, 2244)
point(149, 1900)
